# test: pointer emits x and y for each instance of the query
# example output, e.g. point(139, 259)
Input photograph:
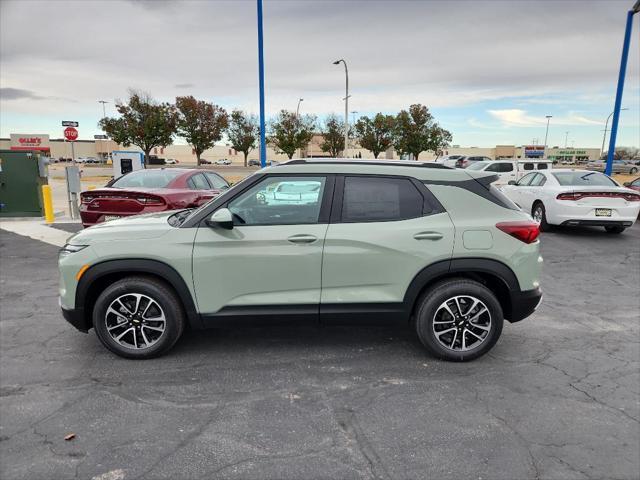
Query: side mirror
point(512, 182)
point(221, 218)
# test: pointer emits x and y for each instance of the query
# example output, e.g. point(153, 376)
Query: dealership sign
point(28, 141)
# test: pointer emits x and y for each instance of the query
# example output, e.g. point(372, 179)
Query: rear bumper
point(524, 303)
point(75, 317)
point(597, 223)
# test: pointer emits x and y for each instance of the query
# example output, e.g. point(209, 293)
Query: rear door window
point(526, 180)
point(380, 199)
point(198, 182)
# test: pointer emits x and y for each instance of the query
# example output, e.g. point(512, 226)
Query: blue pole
point(616, 109)
point(263, 140)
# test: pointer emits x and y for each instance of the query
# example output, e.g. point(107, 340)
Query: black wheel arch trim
point(137, 266)
point(462, 266)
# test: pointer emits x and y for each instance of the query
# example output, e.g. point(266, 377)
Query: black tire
point(614, 229)
point(429, 304)
point(544, 225)
point(156, 290)
point(633, 171)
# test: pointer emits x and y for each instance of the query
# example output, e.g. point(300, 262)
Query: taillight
point(150, 200)
point(526, 232)
point(628, 196)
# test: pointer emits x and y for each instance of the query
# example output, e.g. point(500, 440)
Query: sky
point(489, 71)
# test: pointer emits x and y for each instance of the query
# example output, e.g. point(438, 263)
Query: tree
point(243, 132)
point(376, 135)
point(416, 132)
point(333, 136)
point(290, 132)
point(440, 139)
point(200, 123)
point(622, 153)
point(143, 122)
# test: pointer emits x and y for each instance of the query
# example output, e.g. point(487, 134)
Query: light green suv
point(329, 241)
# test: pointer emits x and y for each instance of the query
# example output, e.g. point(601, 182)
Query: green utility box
point(22, 174)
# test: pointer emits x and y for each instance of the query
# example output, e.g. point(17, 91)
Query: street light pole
point(104, 111)
point(263, 138)
point(566, 136)
point(546, 134)
point(346, 106)
point(623, 70)
point(606, 124)
point(298, 107)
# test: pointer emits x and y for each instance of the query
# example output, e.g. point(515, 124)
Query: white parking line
point(36, 230)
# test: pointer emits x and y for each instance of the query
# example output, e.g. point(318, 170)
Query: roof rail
point(394, 163)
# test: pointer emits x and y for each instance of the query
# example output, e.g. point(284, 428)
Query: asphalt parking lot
point(558, 397)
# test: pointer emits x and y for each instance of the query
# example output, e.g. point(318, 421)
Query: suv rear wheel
point(459, 320)
point(138, 317)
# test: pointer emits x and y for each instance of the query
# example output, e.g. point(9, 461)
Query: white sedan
point(575, 197)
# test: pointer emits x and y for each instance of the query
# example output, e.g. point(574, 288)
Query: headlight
point(67, 249)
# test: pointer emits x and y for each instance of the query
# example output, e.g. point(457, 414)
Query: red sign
point(71, 134)
point(31, 141)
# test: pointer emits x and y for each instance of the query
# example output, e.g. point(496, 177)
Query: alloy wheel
point(538, 214)
point(135, 321)
point(462, 323)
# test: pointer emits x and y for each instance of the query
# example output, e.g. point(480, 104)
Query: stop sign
point(71, 134)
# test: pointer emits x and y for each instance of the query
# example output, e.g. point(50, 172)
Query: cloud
point(184, 85)
point(7, 93)
point(515, 117)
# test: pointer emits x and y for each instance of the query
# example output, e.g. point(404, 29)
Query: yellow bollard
point(48, 204)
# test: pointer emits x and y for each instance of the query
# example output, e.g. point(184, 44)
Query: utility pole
point(566, 136)
point(546, 135)
point(346, 107)
point(298, 107)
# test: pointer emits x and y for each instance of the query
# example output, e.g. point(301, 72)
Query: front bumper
point(75, 316)
point(524, 303)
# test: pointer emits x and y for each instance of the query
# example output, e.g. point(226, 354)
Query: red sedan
point(146, 191)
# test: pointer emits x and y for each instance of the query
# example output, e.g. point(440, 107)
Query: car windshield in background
point(146, 179)
point(594, 179)
point(477, 166)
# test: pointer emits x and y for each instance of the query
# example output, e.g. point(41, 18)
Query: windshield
point(146, 179)
point(477, 166)
point(584, 179)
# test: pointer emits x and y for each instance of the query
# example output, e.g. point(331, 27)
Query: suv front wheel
point(459, 320)
point(138, 317)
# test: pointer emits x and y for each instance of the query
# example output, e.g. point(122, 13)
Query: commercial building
point(184, 154)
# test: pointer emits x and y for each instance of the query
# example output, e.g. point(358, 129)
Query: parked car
point(464, 162)
point(437, 249)
point(510, 170)
point(291, 193)
point(253, 163)
point(575, 197)
point(92, 160)
point(634, 184)
point(204, 161)
point(172, 161)
point(147, 191)
point(449, 160)
point(617, 166)
point(223, 161)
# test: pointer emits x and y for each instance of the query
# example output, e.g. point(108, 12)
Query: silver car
point(619, 166)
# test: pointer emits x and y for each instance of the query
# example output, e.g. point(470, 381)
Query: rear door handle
point(302, 238)
point(428, 236)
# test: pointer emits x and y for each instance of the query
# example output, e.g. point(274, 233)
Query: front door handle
point(428, 236)
point(302, 238)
